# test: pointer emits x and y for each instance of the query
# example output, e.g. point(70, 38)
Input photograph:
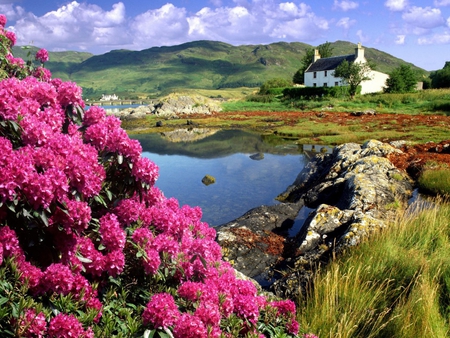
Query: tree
point(325, 51)
point(274, 83)
point(401, 80)
point(441, 78)
point(353, 73)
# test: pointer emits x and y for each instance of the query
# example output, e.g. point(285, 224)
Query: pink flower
point(58, 278)
point(145, 171)
point(30, 274)
point(94, 115)
point(113, 236)
point(152, 261)
point(69, 93)
point(67, 326)
point(18, 62)
point(9, 242)
point(11, 37)
point(284, 307)
point(42, 74)
point(142, 237)
point(209, 313)
point(161, 311)
point(42, 55)
point(114, 262)
point(191, 290)
point(189, 326)
point(32, 325)
point(92, 259)
point(3, 20)
point(293, 327)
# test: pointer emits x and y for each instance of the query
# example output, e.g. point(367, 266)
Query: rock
point(362, 113)
point(208, 179)
point(354, 191)
point(171, 106)
point(188, 135)
point(354, 198)
point(257, 156)
point(159, 123)
point(256, 240)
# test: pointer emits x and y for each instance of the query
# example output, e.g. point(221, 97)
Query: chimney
point(316, 55)
point(359, 52)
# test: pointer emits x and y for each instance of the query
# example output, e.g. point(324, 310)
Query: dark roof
point(329, 63)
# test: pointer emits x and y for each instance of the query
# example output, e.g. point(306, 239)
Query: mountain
point(192, 65)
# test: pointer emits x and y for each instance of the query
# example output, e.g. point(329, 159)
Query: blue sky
point(413, 30)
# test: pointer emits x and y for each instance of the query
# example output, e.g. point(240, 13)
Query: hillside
point(195, 65)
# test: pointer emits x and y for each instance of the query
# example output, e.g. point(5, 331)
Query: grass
point(435, 179)
point(395, 286)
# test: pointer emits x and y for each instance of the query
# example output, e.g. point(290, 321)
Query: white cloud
point(83, 26)
point(441, 3)
point(400, 39)
point(345, 5)
point(163, 26)
point(73, 26)
point(426, 18)
point(260, 21)
point(345, 23)
point(396, 5)
point(440, 39)
point(361, 36)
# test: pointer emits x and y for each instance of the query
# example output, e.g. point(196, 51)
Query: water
point(242, 183)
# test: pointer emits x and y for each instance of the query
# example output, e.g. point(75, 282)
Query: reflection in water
point(241, 183)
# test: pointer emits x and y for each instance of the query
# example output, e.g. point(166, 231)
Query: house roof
point(329, 63)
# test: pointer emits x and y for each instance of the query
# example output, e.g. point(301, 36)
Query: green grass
point(395, 285)
point(435, 181)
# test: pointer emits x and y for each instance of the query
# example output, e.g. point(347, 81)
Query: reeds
point(395, 285)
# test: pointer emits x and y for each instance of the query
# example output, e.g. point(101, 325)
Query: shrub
point(88, 245)
point(308, 93)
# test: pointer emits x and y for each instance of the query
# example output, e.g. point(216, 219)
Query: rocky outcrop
point(171, 106)
point(188, 135)
point(354, 192)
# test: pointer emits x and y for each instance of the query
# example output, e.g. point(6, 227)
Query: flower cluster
point(79, 214)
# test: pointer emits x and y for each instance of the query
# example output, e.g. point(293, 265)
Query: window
point(325, 84)
point(314, 84)
point(326, 73)
point(315, 75)
point(336, 83)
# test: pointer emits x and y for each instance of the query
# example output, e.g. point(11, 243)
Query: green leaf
point(44, 218)
point(139, 254)
point(3, 300)
point(84, 259)
point(109, 194)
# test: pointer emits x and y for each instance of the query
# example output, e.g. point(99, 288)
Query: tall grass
point(395, 285)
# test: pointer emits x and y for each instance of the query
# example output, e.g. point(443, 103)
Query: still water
point(250, 169)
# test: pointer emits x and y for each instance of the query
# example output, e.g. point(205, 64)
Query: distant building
point(113, 97)
point(320, 72)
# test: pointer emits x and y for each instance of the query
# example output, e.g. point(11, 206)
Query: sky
point(416, 31)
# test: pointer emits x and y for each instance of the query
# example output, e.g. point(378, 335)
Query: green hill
point(195, 65)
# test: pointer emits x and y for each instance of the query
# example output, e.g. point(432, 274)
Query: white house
point(320, 72)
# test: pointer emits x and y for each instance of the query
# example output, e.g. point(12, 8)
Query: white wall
point(320, 79)
point(376, 84)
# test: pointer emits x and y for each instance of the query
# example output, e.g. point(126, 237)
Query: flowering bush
point(88, 245)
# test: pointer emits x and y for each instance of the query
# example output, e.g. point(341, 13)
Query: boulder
point(208, 179)
point(353, 191)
